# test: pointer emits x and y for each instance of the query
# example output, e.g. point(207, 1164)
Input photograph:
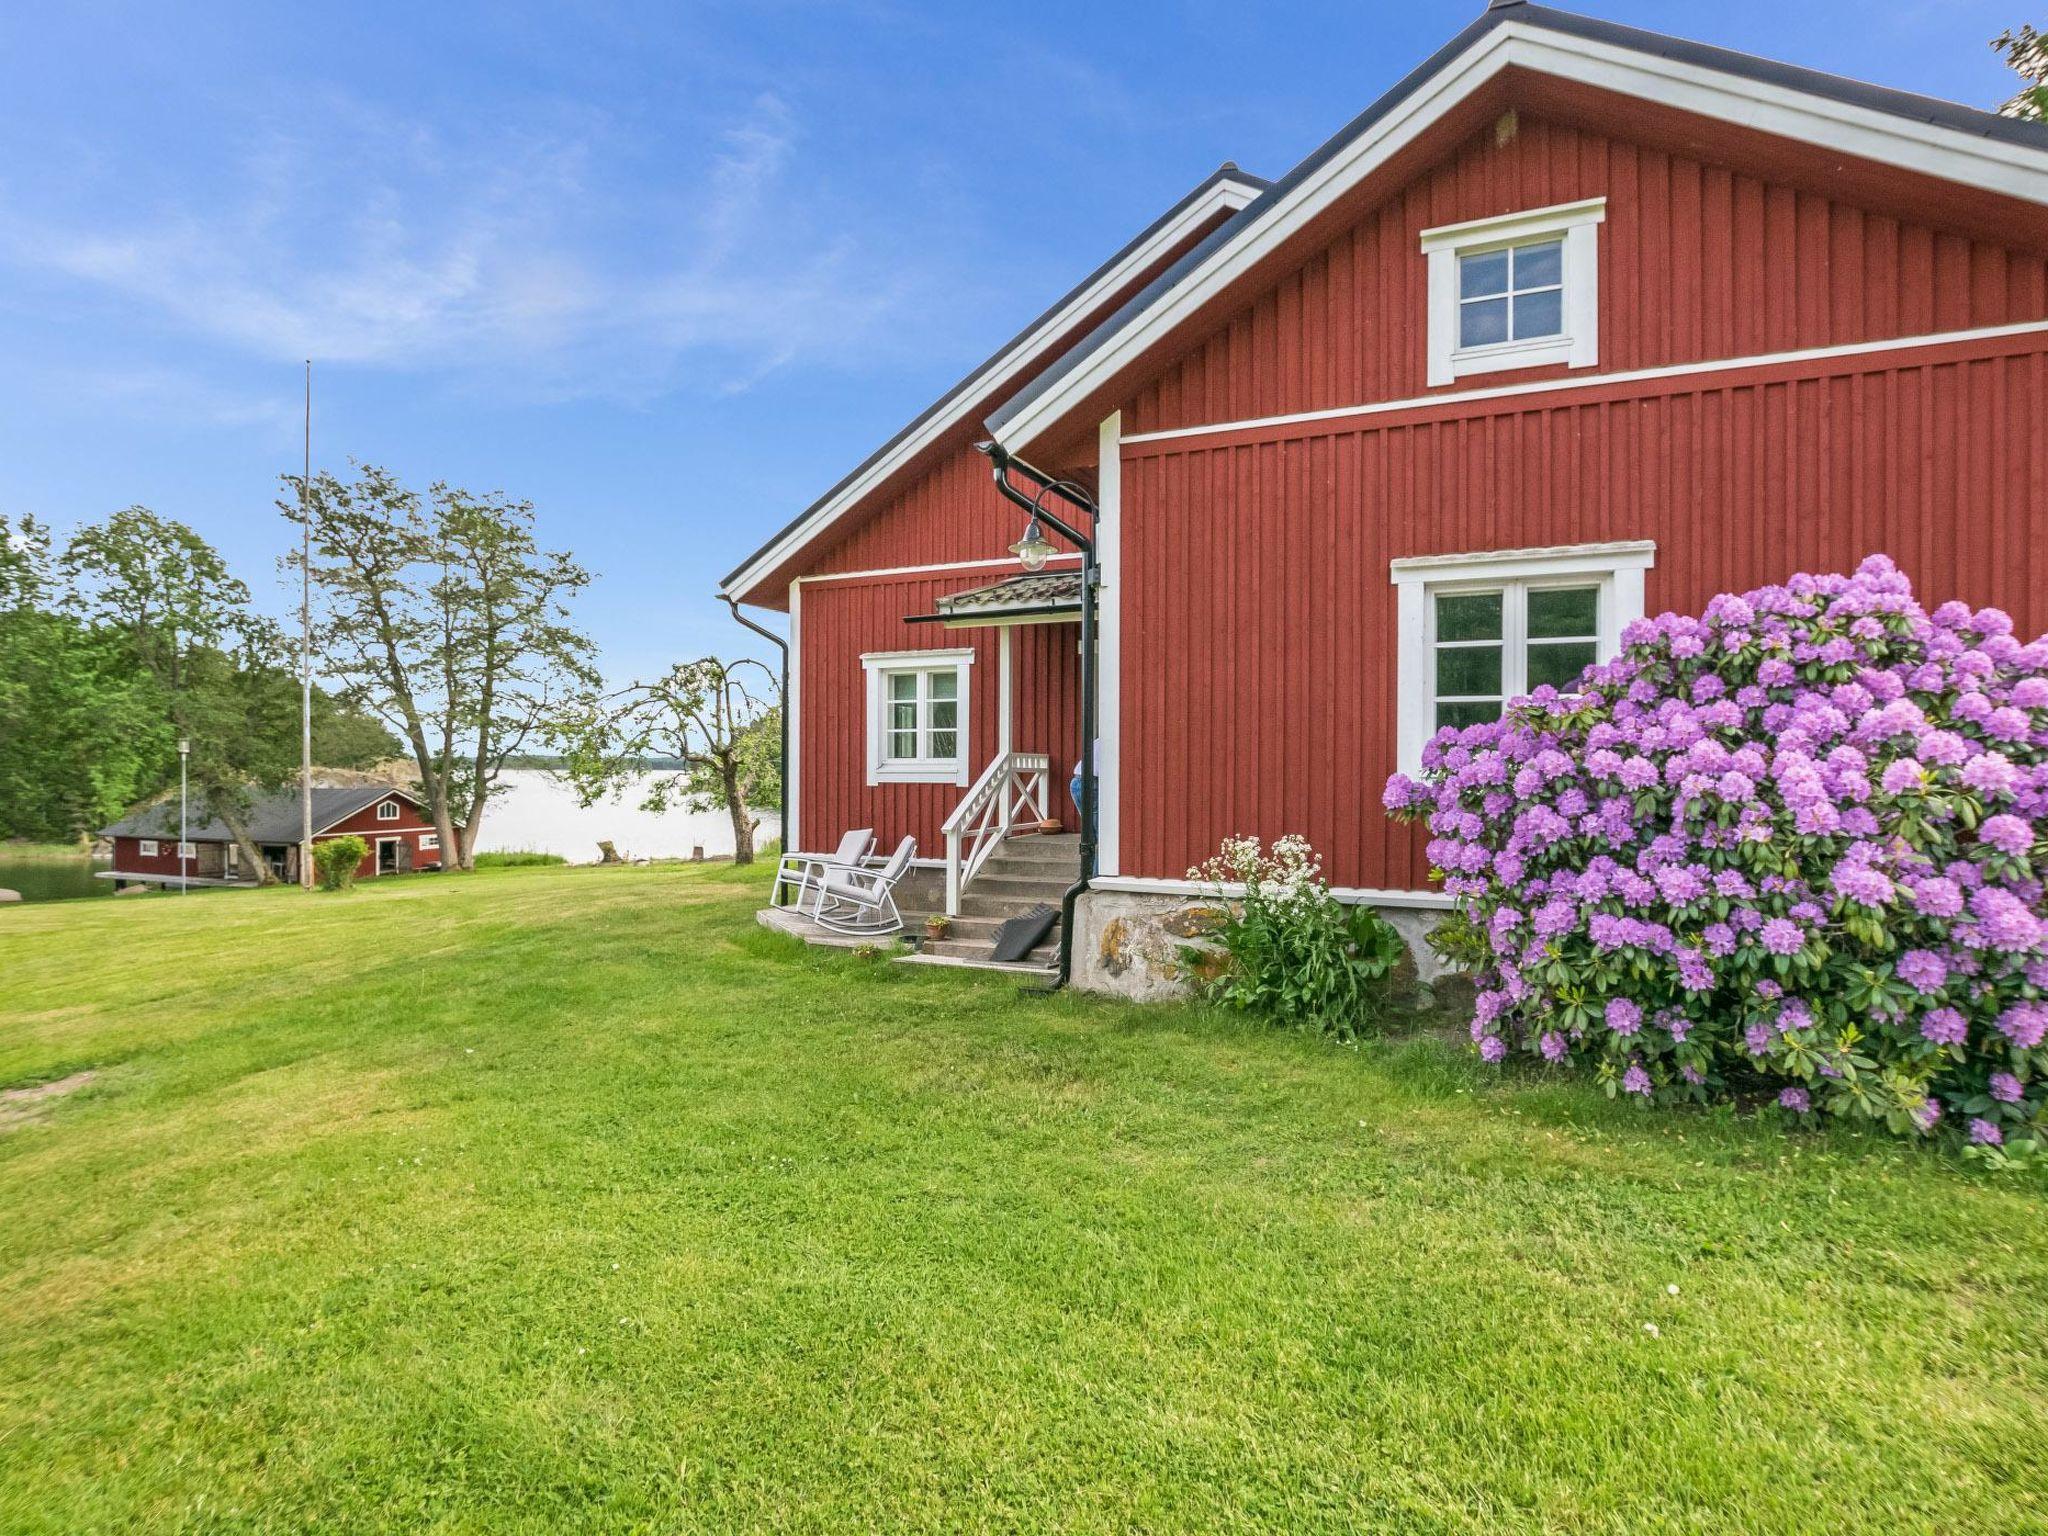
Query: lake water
point(52, 879)
point(539, 813)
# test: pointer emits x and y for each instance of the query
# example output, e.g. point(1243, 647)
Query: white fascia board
point(1005, 368)
point(2012, 169)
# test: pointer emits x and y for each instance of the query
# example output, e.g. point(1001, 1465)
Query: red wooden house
point(1576, 322)
point(394, 826)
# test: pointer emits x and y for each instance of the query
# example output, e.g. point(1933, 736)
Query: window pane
point(1539, 314)
point(1559, 664)
point(1467, 670)
point(1466, 714)
point(1571, 611)
point(902, 685)
point(945, 714)
point(903, 716)
point(1484, 323)
point(1468, 616)
point(945, 744)
point(945, 685)
point(903, 743)
point(1479, 276)
point(1536, 266)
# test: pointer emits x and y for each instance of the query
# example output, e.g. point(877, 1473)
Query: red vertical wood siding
point(844, 620)
point(1259, 656)
point(952, 512)
point(1697, 261)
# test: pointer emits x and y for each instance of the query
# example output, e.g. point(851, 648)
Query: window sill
point(917, 773)
point(1514, 354)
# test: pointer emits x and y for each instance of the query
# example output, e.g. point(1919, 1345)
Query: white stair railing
point(1012, 789)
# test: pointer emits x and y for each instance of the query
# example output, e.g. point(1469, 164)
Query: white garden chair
point(802, 872)
point(862, 902)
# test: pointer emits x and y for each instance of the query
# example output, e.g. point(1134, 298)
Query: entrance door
point(387, 855)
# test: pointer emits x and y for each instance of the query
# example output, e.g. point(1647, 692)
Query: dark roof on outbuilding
point(1813, 82)
point(272, 818)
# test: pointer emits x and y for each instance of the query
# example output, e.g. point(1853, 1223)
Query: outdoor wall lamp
point(1034, 549)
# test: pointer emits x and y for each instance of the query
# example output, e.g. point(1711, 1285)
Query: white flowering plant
point(1297, 954)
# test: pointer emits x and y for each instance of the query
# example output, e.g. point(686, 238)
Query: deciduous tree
point(444, 617)
point(185, 621)
point(720, 721)
point(2026, 50)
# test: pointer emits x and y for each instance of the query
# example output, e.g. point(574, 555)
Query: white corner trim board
point(792, 770)
point(1109, 640)
point(1617, 567)
point(1577, 227)
point(2013, 170)
point(1004, 369)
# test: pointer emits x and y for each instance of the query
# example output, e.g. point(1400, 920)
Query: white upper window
point(1515, 291)
point(917, 713)
point(1478, 630)
point(388, 811)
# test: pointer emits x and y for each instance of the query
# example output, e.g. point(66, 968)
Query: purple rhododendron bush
point(1793, 846)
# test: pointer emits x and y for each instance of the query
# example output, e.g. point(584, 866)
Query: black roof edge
point(1906, 104)
point(1227, 171)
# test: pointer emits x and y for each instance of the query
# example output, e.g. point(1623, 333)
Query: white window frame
point(387, 810)
point(430, 842)
point(879, 667)
point(1617, 568)
point(1578, 225)
point(145, 847)
point(188, 851)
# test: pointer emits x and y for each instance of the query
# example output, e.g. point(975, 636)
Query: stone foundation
point(1151, 947)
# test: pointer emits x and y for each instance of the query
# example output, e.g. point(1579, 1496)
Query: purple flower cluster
point(1796, 842)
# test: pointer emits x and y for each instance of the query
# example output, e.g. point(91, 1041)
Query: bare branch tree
point(717, 720)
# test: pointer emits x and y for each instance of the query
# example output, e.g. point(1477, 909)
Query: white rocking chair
point(802, 872)
point(862, 902)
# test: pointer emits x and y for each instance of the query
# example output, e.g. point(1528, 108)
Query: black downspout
point(1085, 543)
point(782, 778)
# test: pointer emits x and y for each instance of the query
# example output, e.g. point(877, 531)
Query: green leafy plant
point(335, 861)
point(517, 858)
point(1295, 953)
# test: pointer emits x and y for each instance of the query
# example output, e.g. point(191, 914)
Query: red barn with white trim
point(393, 824)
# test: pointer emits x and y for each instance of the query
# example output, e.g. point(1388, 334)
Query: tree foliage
point(2026, 50)
point(721, 721)
point(186, 623)
point(444, 617)
point(82, 734)
point(133, 635)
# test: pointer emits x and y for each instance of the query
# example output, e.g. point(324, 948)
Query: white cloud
point(529, 262)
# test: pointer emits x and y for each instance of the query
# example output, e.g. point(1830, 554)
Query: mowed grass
point(568, 1200)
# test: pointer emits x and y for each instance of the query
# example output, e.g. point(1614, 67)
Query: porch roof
point(1044, 596)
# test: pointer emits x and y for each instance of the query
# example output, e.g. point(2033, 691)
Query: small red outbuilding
point(393, 823)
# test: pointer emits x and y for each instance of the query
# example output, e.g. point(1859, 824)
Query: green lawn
point(557, 1200)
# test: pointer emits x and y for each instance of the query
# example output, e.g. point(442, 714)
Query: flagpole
point(306, 649)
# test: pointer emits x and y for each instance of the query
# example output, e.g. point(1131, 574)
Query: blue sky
point(666, 269)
